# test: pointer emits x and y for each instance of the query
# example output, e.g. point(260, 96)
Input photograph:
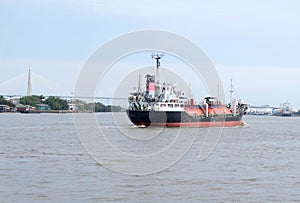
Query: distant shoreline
point(56, 112)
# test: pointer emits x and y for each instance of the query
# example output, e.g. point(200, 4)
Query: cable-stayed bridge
point(36, 84)
point(72, 97)
point(32, 83)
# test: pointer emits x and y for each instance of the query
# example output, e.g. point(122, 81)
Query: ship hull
point(284, 114)
point(181, 119)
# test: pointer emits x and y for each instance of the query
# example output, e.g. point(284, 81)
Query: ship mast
point(157, 57)
point(139, 84)
point(232, 102)
point(231, 90)
point(218, 92)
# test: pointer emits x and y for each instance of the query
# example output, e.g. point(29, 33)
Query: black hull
point(284, 114)
point(178, 118)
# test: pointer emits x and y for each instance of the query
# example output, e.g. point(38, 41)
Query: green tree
point(95, 107)
point(99, 107)
point(32, 100)
point(56, 103)
point(88, 106)
point(3, 101)
point(112, 108)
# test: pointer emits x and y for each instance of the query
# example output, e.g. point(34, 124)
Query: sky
point(254, 42)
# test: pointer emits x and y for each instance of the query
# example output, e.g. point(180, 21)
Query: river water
point(43, 160)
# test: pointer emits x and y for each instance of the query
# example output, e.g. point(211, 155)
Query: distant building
point(13, 100)
point(4, 108)
point(72, 106)
point(260, 110)
point(75, 105)
point(42, 107)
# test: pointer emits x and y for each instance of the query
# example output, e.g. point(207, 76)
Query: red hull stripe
point(197, 124)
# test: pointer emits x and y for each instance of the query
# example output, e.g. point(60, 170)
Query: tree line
point(99, 107)
point(56, 103)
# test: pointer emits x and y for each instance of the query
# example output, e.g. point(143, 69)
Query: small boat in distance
point(285, 109)
point(297, 113)
point(26, 109)
point(160, 104)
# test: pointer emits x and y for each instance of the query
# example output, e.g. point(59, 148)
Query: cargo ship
point(160, 104)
